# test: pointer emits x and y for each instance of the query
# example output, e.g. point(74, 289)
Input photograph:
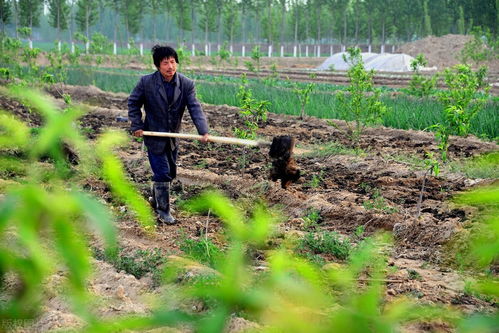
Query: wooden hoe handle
point(216, 139)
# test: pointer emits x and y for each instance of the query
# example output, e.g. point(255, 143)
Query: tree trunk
point(58, 24)
point(167, 21)
point(87, 24)
point(243, 23)
point(127, 34)
point(356, 29)
point(16, 14)
point(193, 25)
point(154, 27)
point(318, 24)
point(345, 28)
point(296, 26)
point(206, 32)
point(219, 26)
point(369, 30)
point(269, 21)
point(383, 34)
point(283, 22)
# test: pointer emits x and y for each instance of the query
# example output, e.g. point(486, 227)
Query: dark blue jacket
point(161, 116)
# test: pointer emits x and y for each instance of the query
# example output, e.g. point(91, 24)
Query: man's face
point(167, 68)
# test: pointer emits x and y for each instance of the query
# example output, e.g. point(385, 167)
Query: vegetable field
point(392, 227)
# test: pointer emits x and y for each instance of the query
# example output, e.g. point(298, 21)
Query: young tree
point(462, 102)
point(360, 103)
point(5, 13)
point(58, 16)
point(86, 15)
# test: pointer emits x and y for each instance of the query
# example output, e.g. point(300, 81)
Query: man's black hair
point(161, 52)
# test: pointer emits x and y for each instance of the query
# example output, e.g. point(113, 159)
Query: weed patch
point(202, 250)
point(330, 149)
point(312, 219)
point(326, 243)
point(484, 166)
point(138, 263)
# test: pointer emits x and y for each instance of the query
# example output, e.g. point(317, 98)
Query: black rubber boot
point(161, 192)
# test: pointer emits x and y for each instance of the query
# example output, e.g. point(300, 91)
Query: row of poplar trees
point(272, 21)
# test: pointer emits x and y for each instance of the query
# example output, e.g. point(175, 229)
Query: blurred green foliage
point(44, 218)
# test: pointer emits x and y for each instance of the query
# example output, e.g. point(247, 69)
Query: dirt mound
point(442, 51)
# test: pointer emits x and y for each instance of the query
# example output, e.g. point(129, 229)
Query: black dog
point(284, 166)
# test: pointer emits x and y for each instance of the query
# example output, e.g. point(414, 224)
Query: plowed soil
point(338, 186)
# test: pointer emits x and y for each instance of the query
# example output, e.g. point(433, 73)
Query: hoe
point(284, 166)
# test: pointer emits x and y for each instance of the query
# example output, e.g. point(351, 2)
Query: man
point(164, 95)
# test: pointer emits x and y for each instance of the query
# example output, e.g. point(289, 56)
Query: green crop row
point(406, 112)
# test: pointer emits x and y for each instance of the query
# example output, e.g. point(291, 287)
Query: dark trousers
point(163, 165)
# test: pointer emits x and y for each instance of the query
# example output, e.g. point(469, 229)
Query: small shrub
point(99, 44)
point(256, 55)
point(483, 47)
point(312, 219)
point(420, 85)
point(4, 73)
point(378, 202)
point(414, 275)
point(431, 167)
point(359, 231)
point(223, 55)
point(303, 96)
point(316, 180)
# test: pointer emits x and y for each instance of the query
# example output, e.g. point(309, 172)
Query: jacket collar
point(161, 88)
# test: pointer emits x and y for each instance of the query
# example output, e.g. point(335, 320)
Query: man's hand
point(205, 138)
point(138, 133)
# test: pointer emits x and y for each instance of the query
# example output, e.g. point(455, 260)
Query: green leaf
point(100, 219)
